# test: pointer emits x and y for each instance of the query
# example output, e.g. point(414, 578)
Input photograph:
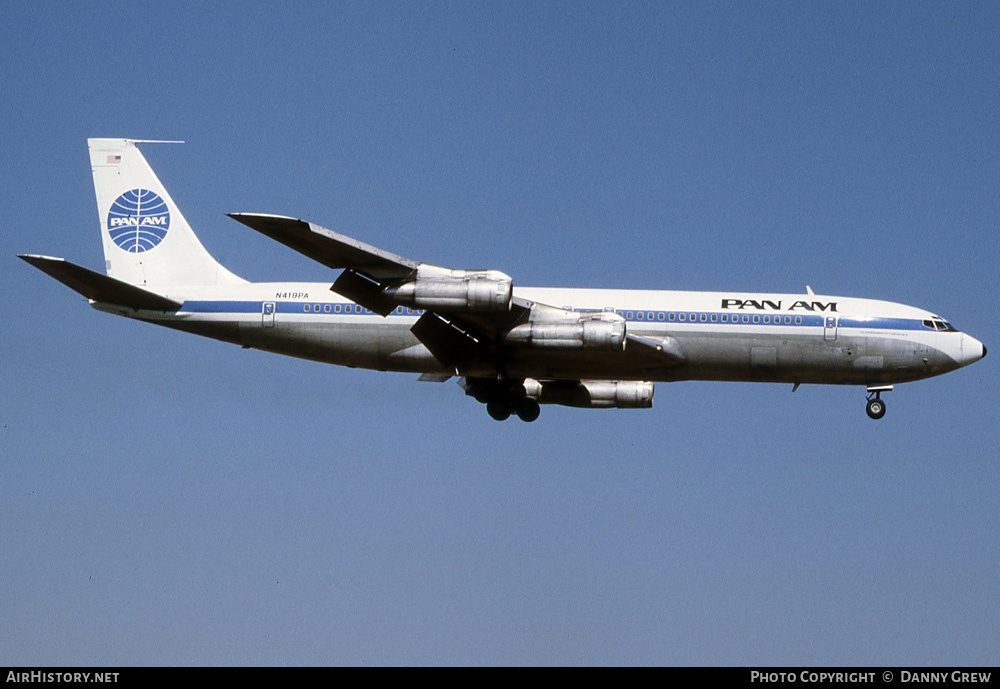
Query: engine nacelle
point(606, 331)
point(472, 292)
point(592, 394)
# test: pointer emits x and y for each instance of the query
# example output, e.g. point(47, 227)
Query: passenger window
point(659, 316)
point(714, 318)
point(672, 316)
point(305, 307)
point(628, 316)
point(683, 317)
point(798, 320)
point(640, 315)
point(336, 308)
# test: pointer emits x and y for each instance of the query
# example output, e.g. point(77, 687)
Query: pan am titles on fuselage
point(512, 348)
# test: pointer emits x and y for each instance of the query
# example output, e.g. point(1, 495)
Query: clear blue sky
point(166, 499)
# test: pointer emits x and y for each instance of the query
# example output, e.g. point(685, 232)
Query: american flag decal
point(114, 159)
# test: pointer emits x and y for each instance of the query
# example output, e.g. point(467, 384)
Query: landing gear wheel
point(498, 409)
point(875, 408)
point(528, 410)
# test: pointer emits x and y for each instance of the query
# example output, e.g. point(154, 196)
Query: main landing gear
point(524, 408)
point(875, 406)
point(503, 398)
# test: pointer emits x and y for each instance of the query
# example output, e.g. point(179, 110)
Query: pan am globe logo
point(138, 220)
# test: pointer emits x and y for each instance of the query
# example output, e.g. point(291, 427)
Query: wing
point(470, 316)
point(330, 248)
point(466, 312)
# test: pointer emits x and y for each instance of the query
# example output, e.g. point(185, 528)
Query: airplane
point(512, 348)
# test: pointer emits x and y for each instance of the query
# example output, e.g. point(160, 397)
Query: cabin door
point(830, 329)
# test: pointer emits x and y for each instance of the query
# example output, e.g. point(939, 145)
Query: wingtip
point(38, 258)
point(254, 220)
point(261, 215)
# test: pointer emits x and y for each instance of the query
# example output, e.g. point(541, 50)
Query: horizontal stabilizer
point(330, 248)
point(97, 287)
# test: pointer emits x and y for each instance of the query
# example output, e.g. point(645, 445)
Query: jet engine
point(606, 331)
point(482, 291)
point(592, 394)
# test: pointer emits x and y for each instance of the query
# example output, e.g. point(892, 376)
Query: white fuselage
point(712, 335)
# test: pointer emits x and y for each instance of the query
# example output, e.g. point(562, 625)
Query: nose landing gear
point(875, 406)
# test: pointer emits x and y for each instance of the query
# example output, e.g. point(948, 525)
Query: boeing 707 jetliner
point(513, 348)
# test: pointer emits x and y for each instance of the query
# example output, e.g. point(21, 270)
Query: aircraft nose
point(972, 350)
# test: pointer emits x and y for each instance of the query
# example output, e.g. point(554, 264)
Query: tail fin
point(147, 242)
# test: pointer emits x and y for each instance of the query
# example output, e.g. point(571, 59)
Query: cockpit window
point(939, 324)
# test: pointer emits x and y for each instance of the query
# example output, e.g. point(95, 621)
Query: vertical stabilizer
point(147, 242)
